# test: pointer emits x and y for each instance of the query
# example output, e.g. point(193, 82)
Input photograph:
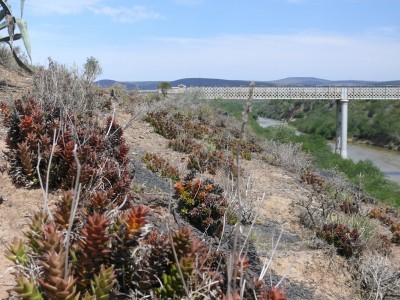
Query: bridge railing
point(374, 93)
point(299, 93)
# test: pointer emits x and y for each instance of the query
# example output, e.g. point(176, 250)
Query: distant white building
point(180, 89)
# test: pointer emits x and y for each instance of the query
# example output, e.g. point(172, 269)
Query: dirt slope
point(17, 204)
point(319, 272)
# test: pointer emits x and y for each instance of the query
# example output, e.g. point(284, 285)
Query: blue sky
point(236, 39)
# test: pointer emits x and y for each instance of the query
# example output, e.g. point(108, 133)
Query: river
point(386, 160)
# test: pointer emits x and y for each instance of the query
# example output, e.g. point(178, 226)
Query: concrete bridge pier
point(341, 124)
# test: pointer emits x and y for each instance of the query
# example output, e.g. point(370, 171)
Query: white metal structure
point(300, 93)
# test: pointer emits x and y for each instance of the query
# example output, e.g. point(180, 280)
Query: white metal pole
point(344, 107)
point(338, 126)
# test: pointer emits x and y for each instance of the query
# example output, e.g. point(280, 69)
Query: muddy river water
point(386, 160)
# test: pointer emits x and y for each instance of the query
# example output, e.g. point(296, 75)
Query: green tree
point(164, 86)
point(92, 69)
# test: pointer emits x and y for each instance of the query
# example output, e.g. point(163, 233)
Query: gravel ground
point(147, 179)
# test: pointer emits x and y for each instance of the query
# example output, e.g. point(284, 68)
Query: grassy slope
point(364, 172)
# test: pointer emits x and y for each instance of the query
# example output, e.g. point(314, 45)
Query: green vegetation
point(376, 121)
point(164, 87)
point(363, 172)
point(92, 69)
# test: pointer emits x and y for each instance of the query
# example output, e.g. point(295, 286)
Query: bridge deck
point(300, 93)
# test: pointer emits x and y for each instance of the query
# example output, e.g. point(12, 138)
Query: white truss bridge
point(299, 93)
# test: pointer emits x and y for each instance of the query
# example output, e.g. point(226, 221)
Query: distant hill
point(302, 81)
point(217, 82)
point(151, 85)
point(292, 81)
point(140, 85)
point(312, 81)
point(353, 83)
point(388, 83)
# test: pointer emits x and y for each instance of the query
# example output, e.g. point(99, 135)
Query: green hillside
point(374, 121)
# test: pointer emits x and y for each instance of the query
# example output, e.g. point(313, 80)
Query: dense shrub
point(346, 241)
point(157, 164)
point(299, 114)
point(203, 161)
point(231, 143)
point(394, 224)
point(170, 124)
point(349, 207)
point(41, 141)
point(202, 202)
point(70, 89)
point(184, 144)
point(208, 149)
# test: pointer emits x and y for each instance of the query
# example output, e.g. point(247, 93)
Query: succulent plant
point(172, 286)
point(135, 219)
point(27, 290)
point(154, 261)
point(202, 202)
point(184, 252)
point(102, 284)
point(63, 210)
point(34, 234)
point(157, 164)
point(93, 248)
point(16, 252)
point(51, 239)
point(102, 151)
point(267, 293)
point(53, 283)
point(347, 241)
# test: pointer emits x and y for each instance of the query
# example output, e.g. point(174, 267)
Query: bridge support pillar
point(341, 124)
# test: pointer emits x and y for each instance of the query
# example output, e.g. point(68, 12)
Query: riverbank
point(373, 122)
point(388, 161)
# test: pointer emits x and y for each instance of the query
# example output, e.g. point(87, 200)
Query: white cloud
point(48, 7)
point(127, 14)
point(119, 14)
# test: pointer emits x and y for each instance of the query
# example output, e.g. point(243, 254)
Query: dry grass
point(69, 89)
point(288, 156)
point(378, 278)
